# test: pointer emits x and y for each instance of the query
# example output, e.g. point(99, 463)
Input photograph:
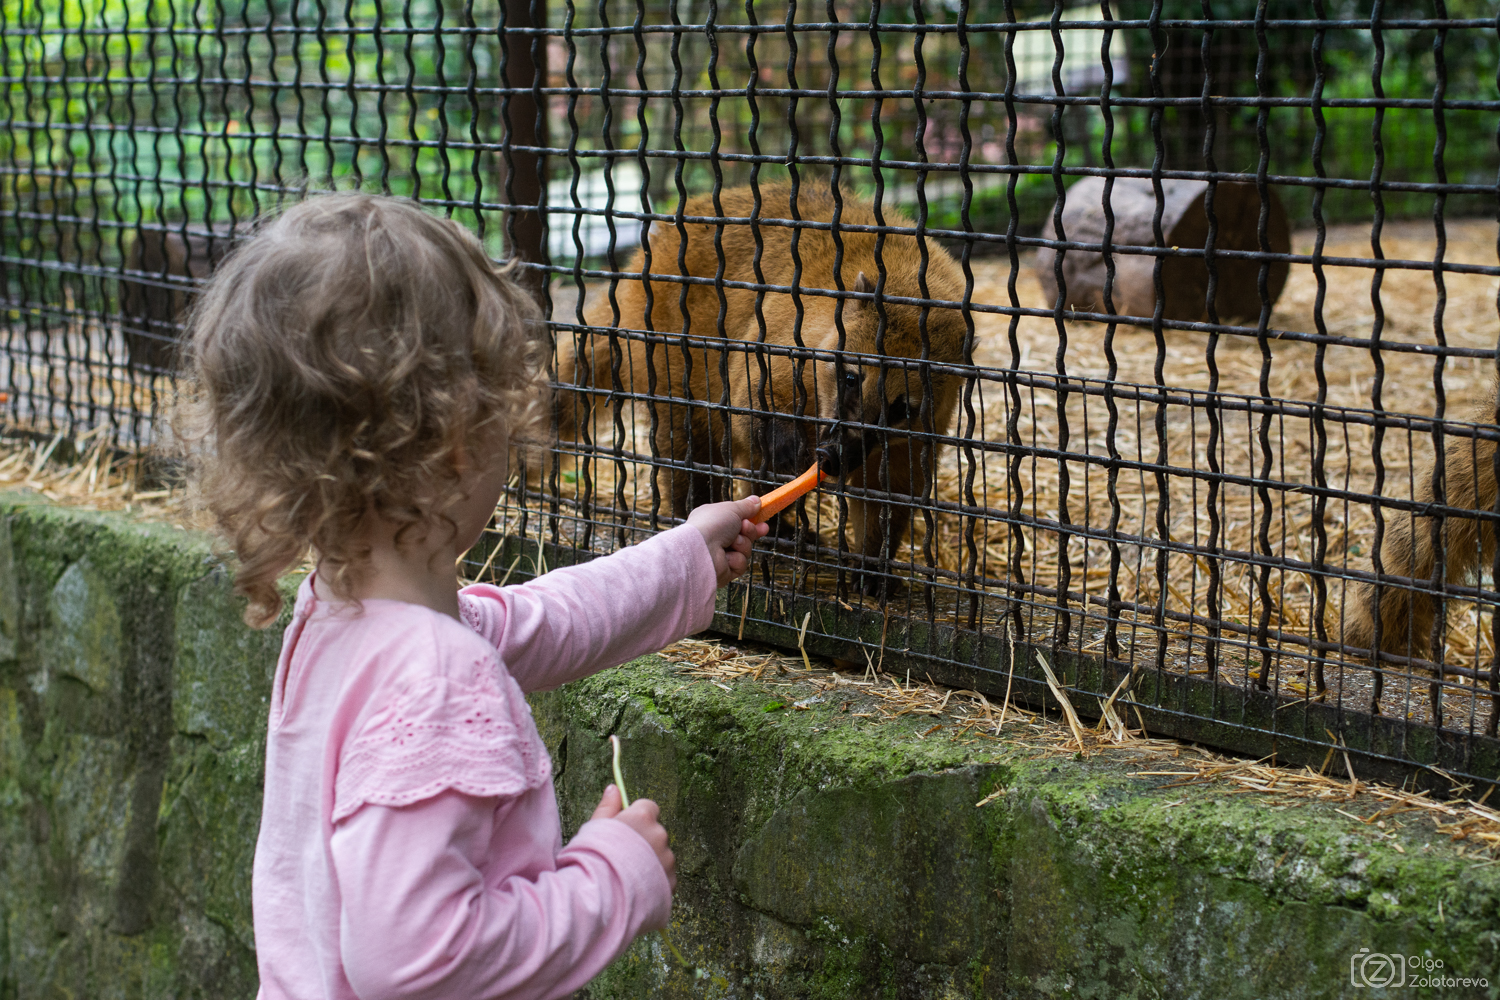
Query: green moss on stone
point(820, 856)
point(1079, 880)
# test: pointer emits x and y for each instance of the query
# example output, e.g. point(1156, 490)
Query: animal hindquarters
point(672, 388)
point(1397, 618)
point(163, 270)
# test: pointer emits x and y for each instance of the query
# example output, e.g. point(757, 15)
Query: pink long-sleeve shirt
point(409, 842)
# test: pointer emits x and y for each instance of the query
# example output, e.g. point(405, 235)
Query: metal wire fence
point(1151, 344)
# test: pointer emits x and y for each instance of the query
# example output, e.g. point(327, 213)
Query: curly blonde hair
point(340, 362)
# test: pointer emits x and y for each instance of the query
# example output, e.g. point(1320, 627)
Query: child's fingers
point(609, 804)
point(642, 817)
point(643, 813)
point(747, 507)
point(737, 562)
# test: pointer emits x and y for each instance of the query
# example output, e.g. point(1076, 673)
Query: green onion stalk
point(666, 938)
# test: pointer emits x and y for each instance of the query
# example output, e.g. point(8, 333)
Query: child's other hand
point(727, 529)
point(641, 817)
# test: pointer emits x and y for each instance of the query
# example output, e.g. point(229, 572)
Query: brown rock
point(1184, 224)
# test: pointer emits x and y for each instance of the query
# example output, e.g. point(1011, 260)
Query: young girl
point(360, 368)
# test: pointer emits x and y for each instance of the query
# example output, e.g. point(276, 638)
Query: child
point(360, 370)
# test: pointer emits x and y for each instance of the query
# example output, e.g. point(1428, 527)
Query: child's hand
point(727, 529)
point(641, 817)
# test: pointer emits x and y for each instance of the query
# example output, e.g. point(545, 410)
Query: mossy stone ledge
point(820, 855)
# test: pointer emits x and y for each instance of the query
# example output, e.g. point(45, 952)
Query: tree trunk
point(523, 171)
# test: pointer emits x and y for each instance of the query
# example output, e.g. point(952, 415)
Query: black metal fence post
point(523, 164)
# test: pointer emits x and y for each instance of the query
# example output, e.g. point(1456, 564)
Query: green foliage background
point(200, 114)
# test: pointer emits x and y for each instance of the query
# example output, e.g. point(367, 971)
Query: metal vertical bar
point(1113, 608)
point(37, 316)
point(1319, 428)
point(183, 133)
point(616, 354)
point(647, 225)
point(1016, 543)
point(231, 186)
point(724, 443)
point(351, 90)
point(1438, 538)
point(273, 100)
point(681, 417)
point(968, 523)
point(137, 428)
point(440, 71)
point(1163, 492)
point(762, 401)
point(247, 88)
point(13, 280)
point(1262, 334)
point(321, 33)
point(541, 275)
point(158, 194)
point(93, 306)
point(583, 342)
point(1063, 622)
point(303, 138)
point(1212, 650)
point(383, 136)
point(471, 97)
point(64, 190)
point(926, 473)
point(127, 435)
point(799, 358)
point(413, 106)
point(1377, 384)
point(870, 579)
point(835, 119)
point(514, 130)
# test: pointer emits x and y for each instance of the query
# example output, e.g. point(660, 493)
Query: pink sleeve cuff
point(635, 863)
point(702, 581)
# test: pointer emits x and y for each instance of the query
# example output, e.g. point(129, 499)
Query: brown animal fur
point(788, 408)
point(1400, 621)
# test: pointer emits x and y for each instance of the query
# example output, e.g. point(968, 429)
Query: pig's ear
point(864, 285)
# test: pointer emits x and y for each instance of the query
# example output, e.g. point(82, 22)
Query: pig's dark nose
point(841, 452)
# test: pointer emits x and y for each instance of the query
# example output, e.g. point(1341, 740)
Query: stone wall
point(821, 856)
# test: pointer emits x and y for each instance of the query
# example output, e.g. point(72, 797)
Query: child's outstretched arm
point(578, 620)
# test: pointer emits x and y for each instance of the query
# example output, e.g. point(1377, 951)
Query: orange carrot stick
point(781, 497)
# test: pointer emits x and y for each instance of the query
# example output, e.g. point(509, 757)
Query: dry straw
point(967, 717)
point(96, 477)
